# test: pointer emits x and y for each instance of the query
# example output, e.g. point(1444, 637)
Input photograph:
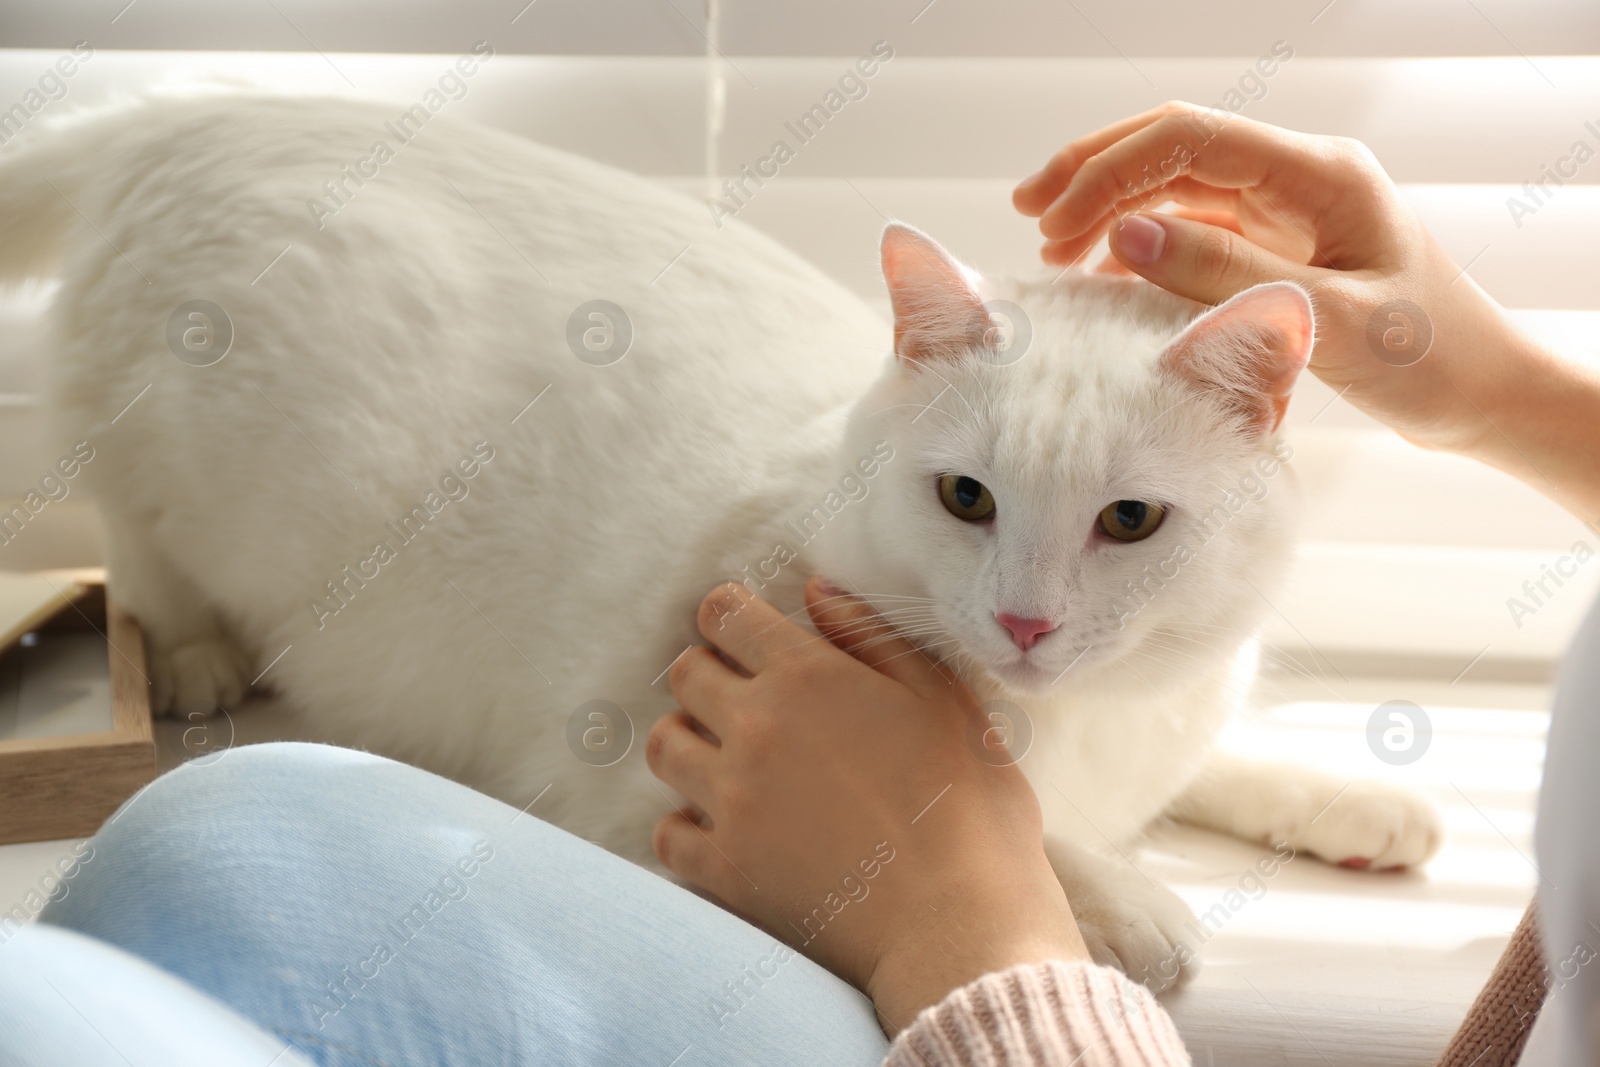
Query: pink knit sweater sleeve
point(1054, 1013)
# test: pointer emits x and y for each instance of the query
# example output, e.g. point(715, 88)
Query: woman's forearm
point(1538, 419)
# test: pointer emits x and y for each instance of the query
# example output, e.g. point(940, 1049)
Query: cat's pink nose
point(1025, 632)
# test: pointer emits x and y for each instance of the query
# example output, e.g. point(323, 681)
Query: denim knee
point(172, 832)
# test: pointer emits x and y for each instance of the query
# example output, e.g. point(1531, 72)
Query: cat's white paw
point(1127, 920)
point(196, 678)
point(1368, 825)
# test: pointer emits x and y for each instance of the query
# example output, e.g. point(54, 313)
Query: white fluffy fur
point(424, 317)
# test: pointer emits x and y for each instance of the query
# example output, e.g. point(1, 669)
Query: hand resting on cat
point(837, 803)
point(1254, 202)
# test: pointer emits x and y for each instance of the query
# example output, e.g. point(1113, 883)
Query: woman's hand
point(1403, 333)
point(841, 806)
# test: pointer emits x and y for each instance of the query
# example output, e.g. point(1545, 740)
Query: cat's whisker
point(907, 611)
point(1294, 666)
point(923, 641)
point(904, 628)
point(1158, 641)
point(1160, 661)
point(907, 618)
point(1164, 634)
point(910, 634)
point(899, 622)
point(895, 608)
point(1127, 663)
point(913, 638)
point(803, 612)
point(921, 648)
point(949, 659)
point(896, 596)
point(1165, 642)
point(1241, 632)
point(1178, 653)
point(908, 624)
point(904, 609)
point(1169, 656)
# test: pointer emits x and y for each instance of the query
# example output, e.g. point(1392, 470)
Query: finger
point(1227, 220)
point(707, 687)
point(747, 628)
point(1199, 261)
point(1054, 255)
point(687, 851)
point(1187, 195)
point(1066, 253)
point(1037, 192)
point(851, 624)
point(1073, 250)
point(1182, 143)
point(680, 757)
point(1112, 265)
point(1213, 148)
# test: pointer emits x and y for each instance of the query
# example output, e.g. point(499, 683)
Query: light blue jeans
point(331, 907)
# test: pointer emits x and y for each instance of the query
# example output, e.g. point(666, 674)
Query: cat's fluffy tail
point(43, 171)
point(35, 213)
point(52, 169)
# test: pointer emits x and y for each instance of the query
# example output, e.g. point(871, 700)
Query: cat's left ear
point(1250, 349)
point(938, 313)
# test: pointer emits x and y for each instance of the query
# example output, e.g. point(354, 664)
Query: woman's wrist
point(1535, 416)
point(1486, 390)
point(968, 933)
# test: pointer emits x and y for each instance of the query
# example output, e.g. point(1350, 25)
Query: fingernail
point(827, 586)
point(1030, 181)
point(1140, 238)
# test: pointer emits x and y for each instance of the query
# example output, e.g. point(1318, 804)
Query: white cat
point(401, 464)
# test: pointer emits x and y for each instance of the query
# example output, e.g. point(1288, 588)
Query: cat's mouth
point(1030, 676)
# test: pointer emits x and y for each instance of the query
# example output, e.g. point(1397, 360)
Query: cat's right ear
point(938, 313)
point(1248, 351)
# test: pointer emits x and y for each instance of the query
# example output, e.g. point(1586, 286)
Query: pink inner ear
point(1251, 349)
point(937, 311)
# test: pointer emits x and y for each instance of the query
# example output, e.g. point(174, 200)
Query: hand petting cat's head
point(1094, 486)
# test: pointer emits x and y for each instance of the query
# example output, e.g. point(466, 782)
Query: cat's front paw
point(1127, 920)
point(1370, 825)
point(196, 678)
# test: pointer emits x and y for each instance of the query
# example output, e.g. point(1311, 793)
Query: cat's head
point(1096, 486)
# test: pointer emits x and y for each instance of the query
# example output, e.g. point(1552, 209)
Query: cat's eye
point(965, 498)
point(1131, 520)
